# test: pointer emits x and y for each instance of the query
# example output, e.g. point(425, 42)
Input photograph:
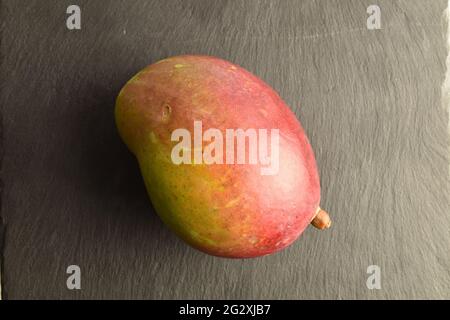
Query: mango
point(226, 163)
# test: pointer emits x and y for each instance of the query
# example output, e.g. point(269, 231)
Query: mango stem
point(321, 220)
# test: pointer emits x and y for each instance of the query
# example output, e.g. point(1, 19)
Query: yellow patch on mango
point(153, 137)
point(232, 202)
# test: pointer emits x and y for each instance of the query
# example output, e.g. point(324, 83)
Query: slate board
point(370, 101)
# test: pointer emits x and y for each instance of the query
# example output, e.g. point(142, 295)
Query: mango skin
point(224, 210)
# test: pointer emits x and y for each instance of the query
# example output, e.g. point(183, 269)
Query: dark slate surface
point(370, 102)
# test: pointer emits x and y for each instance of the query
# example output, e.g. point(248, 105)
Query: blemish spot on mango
point(166, 112)
point(178, 66)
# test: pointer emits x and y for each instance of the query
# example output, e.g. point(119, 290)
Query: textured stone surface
point(370, 102)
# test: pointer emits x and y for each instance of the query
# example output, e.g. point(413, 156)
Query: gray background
point(370, 102)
